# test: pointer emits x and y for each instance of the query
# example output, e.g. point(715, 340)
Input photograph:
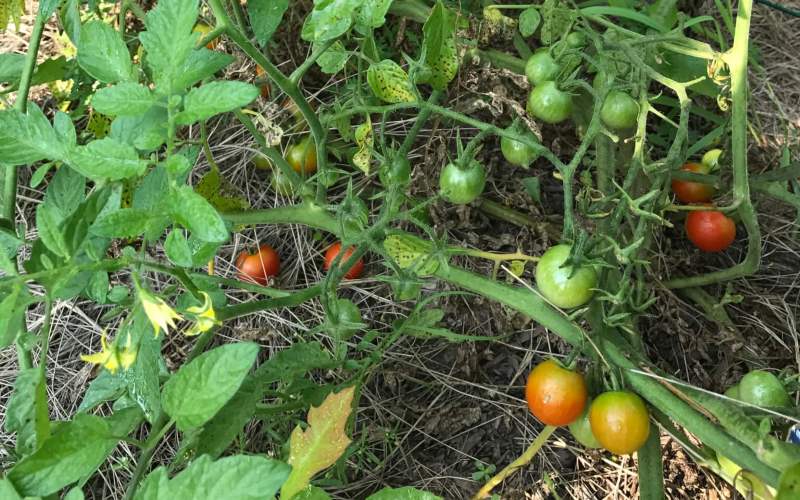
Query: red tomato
point(693, 192)
point(710, 230)
point(258, 267)
point(555, 395)
point(619, 421)
point(333, 251)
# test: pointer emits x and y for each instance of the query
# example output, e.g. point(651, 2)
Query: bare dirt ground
point(437, 413)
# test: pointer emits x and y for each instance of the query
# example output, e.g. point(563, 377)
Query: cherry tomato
point(261, 162)
point(576, 40)
point(541, 67)
point(549, 104)
point(619, 421)
point(303, 157)
point(461, 184)
point(333, 251)
point(762, 388)
point(396, 170)
point(555, 395)
point(693, 192)
point(204, 29)
point(259, 266)
point(518, 153)
point(710, 230)
point(620, 111)
point(264, 86)
point(581, 430)
point(733, 391)
point(561, 285)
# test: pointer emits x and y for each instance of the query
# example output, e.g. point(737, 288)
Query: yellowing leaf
point(363, 138)
point(321, 444)
point(220, 192)
point(410, 252)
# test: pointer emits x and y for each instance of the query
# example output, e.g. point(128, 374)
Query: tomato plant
point(620, 421)
point(710, 230)
point(620, 111)
point(541, 67)
point(462, 184)
point(258, 266)
point(563, 285)
point(555, 395)
point(302, 157)
point(693, 192)
point(333, 252)
point(549, 103)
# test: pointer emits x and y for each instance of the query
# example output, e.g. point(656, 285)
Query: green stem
point(301, 70)
point(412, 9)
point(147, 454)
point(651, 469)
point(422, 118)
point(500, 59)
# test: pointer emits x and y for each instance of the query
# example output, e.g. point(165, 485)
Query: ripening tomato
point(555, 395)
point(710, 230)
point(581, 430)
point(620, 111)
point(303, 157)
point(619, 421)
point(264, 86)
point(204, 29)
point(541, 67)
point(461, 184)
point(549, 103)
point(259, 266)
point(562, 285)
point(762, 388)
point(333, 251)
point(693, 192)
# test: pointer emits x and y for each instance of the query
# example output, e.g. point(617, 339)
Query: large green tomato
point(541, 67)
point(762, 388)
point(549, 103)
point(517, 153)
point(620, 111)
point(462, 184)
point(560, 285)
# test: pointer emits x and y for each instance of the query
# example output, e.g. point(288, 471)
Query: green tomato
point(762, 388)
point(581, 430)
point(517, 153)
point(560, 285)
point(462, 184)
point(620, 111)
point(261, 162)
point(733, 392)
point(396, 170)
point(541, 67)
point(549, 104)
point(576, 40)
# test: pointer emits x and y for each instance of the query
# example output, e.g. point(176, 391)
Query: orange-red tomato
point(693, 192)
point(555, 395)
point(259, 266)
point(203, 29)
point(303, 157)
point(710, 230)
point(264, 87)
point(333, 251)
point(619, 421)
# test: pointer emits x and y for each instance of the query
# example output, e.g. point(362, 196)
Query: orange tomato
point(555, 395)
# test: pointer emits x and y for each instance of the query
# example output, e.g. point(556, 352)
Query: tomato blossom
point(112, 356)
point(160, 314)
point(205, 317)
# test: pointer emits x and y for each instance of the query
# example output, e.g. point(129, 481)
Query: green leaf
point(97, 288)
point(371, 15)
point(533, 187)
point(124, 223)
point(220, 192)
point(142, 378)
point(200, 388)
point(65, 130)
point(50, 230)
point(47, 71)
point(11, 67)
point(27, 414)
point(107, 159)
point(235, 477)
point(529, 20)
point(439, 48)
point(106, 387)
point(789, 483)
point(66, 192)
point(201, 103)
point(70, 17)
point(321, 444)
point(193, 212)
point(124, 99)
point(334, 59)
point(330, 19)
point(28, 138)
point(146, 132)
point(12, 315)
point(177, 248)
point(265, 17)
point(7, 490)
point(74, 494)
point(201, 64)
point(389, 82)
point(75, 450)
point(102, 53)
point(405, 493)
point(169, 40)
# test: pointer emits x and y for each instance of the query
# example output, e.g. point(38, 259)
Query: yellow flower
point(111, 357)
point(160, 314)
point(205, 317)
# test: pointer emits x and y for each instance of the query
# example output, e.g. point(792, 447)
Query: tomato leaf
point(65, 130)
point(213, 98)
point(405, 493)
point(440, 57)
point(193, 212)
point(371, 15)
point(334, 59)
point(106, 387)
point(265, 17)
point(169, 40)
point(529, 20)
point(389, 82)
point(65, 192)
point(51, 232)
point(107, 159)
point(321, 444)
point(312, 493)
point(12, 315)
point(177, 248)
point(123, 223)
point(199, 389)
point(27, 411)
point(7, 490)
point(328, 20)
point(142, 378)
point(220, 192)
point(103, 54)
point(28, 138)
point(201, 64)
point(126, 98)
point(238, 476)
